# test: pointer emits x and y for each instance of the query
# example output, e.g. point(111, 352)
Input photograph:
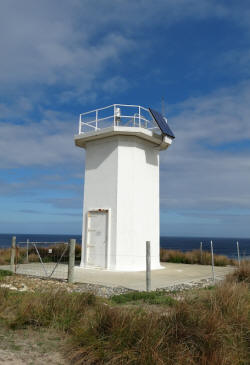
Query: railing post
point(96, 119)
point(238, 253)
point(71, 266)
point(139, 116)
point(212, 257)
point(148, 266)
point(80, 121)
point(114, 113)
point(13, 254)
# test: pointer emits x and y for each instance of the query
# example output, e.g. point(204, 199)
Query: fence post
point(238, 253)
point(201, 252)
point(71, 266)
point(148, 266)
point(27, 250)
point(13, 254)
point(212, 257)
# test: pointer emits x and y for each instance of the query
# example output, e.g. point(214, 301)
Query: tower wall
point(100, 190)
point(122, 175)
point(137, 203)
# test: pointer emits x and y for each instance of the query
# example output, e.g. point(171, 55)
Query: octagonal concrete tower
point(121, 188)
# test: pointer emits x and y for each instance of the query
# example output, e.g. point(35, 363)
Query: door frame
point(108, 229)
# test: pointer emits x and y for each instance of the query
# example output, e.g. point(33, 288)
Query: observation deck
point(121, 119)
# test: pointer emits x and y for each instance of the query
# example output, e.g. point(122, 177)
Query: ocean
point(223, 246)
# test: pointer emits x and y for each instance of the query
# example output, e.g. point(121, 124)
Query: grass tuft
point(58, 309)
point(242, 274)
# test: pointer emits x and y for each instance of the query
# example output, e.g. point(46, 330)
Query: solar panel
point(162, 123)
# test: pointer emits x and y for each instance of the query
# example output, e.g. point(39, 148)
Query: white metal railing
point(117, 115)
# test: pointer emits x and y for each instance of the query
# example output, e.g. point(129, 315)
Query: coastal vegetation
point(194, 257)
point(201, 326)
point(53, 252)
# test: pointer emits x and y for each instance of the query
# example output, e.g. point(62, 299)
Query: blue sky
point(60, 58)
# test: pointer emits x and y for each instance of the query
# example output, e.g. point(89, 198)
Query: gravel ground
point(26, 283)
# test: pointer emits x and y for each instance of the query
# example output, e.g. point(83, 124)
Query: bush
point(242, 274)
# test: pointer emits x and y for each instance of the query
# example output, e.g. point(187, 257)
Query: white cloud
point(71, 43)
point(50, 43)
point(196, 171)
point(48, 143)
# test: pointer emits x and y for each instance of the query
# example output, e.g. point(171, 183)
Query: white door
point(97, 238)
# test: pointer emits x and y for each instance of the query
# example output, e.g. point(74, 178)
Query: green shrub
point(4, 273)
point(154, 297)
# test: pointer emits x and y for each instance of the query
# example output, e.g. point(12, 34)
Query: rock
point(8, 286)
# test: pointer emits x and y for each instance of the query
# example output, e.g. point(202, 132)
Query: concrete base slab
point(94, 268)
point(172, 274)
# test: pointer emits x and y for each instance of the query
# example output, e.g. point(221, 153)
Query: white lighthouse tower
point(121, 187)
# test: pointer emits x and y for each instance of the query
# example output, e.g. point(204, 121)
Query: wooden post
point(201, 252)
point(212, 257)
point(27, 251)
point(238, 253)
point(13, 254)
point(71, 265)
point(148, 266)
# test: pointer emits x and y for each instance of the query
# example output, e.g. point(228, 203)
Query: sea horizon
point(162, 235)
point(221, 245)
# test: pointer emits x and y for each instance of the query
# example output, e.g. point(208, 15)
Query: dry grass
point(242, 274)
point(5, 256)
point(212, 328)
point(58, 309)
point(33, 257)
point(194, 257)
point(206, 327)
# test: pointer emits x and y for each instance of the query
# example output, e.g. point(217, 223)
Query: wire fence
point(42, 259)
point(57, 259)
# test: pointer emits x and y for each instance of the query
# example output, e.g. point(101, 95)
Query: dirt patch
point(31, 347)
